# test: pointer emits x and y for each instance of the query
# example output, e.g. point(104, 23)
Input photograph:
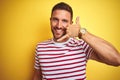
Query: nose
point(59, 24)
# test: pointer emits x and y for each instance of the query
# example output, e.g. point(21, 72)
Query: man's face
point(60, 19)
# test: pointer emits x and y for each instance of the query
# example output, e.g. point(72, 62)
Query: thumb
point(77, 19)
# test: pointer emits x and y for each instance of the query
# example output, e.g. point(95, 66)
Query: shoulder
point(78, 41)
point(46, 42)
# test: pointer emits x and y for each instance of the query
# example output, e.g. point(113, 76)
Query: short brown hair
point(63, 6)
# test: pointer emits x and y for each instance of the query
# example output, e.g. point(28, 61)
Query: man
point(64, 57)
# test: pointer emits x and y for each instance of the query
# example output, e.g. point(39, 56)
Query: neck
point(64, 40)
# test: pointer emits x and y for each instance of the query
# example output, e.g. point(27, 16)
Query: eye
point(54, 19)
point(65, 21)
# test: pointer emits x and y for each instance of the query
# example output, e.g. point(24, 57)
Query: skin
point(59, 21)
point(62, 29)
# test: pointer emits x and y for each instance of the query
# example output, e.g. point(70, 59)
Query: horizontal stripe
point(64, 68)
point(72, 78)
point(52, 56)
point(63, 71)
point(36, 61)
point(72, 75)
point(59, 48)
point(62, 64)
point(36, 67)
point(62, 60)
point(73, 72)
point(60, 57)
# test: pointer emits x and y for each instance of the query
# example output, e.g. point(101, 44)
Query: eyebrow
point(55, 18)
point(65, 20)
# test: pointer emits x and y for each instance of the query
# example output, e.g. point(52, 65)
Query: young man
point(64, 57)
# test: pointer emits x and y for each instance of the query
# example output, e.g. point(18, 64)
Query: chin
point(57, 37)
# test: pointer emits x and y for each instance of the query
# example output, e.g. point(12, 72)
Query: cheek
point(65, 25)
point(53, 24)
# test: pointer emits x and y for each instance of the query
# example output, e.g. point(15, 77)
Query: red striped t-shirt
point(62, 61)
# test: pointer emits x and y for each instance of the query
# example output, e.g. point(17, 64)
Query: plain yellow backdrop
point(24, 23)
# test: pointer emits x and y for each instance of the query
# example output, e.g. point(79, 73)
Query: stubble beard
point(56, 36)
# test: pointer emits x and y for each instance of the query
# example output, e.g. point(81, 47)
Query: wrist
point(82, 32)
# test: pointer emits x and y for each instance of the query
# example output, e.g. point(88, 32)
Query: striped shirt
point(62, 61)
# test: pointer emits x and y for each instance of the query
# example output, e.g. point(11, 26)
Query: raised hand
point(72, 30)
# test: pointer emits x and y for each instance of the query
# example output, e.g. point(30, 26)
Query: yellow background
point(24, 23)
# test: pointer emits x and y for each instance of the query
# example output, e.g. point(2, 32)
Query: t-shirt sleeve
point(36, 65)
point(87, 49)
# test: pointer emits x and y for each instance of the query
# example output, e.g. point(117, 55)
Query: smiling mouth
point(58, 31)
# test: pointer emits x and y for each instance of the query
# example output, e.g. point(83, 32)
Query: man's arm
point(103, 50)
point(37, 74)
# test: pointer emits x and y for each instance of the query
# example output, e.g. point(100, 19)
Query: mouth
point(58, 31)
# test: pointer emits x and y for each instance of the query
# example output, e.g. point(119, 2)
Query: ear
point(50, 18)
point(71, 22)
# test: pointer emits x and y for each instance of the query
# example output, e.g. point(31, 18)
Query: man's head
point(63, 6)
point(61, 17)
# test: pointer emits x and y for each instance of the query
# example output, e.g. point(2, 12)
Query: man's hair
point(63, 6)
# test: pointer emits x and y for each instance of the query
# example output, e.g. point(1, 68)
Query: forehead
point(61, 14)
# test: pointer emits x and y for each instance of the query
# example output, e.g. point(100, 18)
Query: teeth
point(58, 31)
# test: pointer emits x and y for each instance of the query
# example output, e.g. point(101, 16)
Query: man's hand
point(72, 30)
